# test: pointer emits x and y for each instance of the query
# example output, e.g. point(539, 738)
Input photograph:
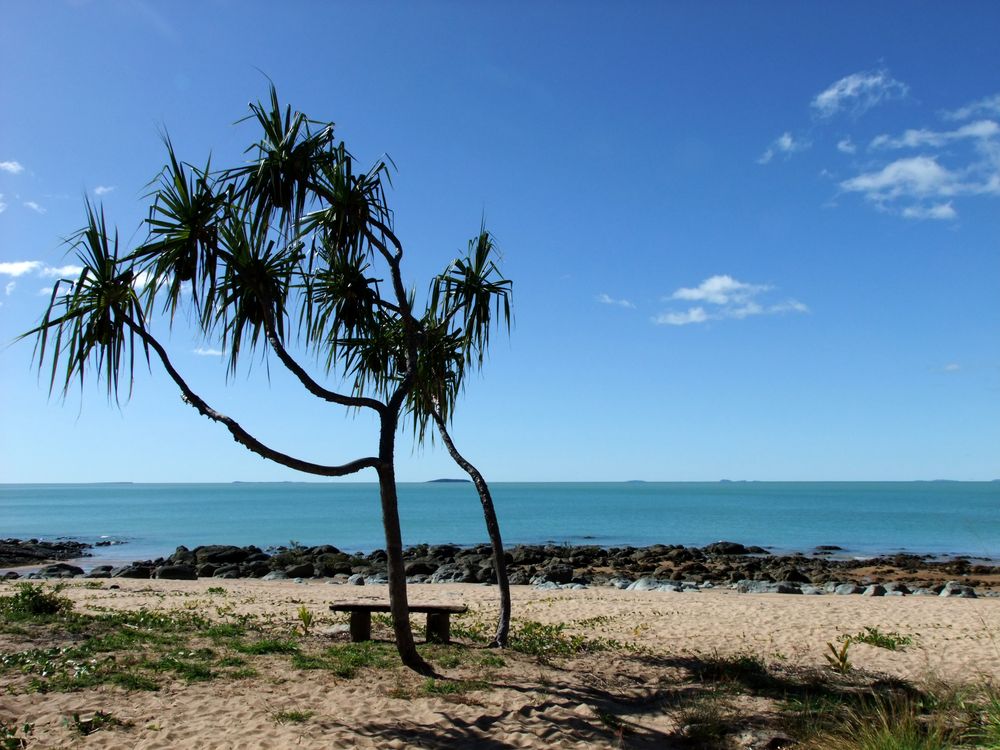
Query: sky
point(748, 241)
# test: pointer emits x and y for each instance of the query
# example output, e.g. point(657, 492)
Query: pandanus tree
point(293, 252)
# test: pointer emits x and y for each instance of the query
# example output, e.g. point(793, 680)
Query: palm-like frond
point(289, 159)
point(253, 291)
point(471, 290)
point(92, 321)
point(440, 370)
point(183, 243)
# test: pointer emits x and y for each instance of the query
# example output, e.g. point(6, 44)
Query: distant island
point(449, 481)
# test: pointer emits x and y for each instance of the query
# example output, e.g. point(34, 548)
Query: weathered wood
point(438, 619)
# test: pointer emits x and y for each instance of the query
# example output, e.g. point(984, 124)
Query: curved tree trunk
point(398, 605)
point(492, 528)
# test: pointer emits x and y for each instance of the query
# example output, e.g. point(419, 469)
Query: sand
point(526, 704)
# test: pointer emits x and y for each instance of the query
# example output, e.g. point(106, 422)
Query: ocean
point(864, 518)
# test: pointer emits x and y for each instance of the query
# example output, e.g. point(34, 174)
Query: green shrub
point(34, 601)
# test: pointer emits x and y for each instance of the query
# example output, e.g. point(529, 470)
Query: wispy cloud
point(720, 290)
point(61, 271)
point(11, 167)
point(34, 207)
point(606, 299)
point(919, 138)
point(940, 211)
point(3, 206)
point(45, 291)
point(204, 352)
point(914, 176)
point(989, 105)
point(728, 298)
point(857, 93)
point(785, 144)
point(19, 267)
point(952, 367)
point(9, 288)
point(846, 146)
point(103, 189)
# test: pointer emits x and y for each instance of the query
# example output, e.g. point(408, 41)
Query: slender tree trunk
point(398, 605)
point(492, 528)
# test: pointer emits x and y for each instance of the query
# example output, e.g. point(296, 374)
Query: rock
point(275, 575)
point(619, 583)
point(645, 584)
point(519, 577)
point(793, 575)
point(725, 548)
point(176, 572)
point(356, 580)
point(101, 571)
point(874, 589)
point(10, 575)
point(767, 587)
point(421, 567)
point(206, 570)
point(60, 570)
point(545, 585)
point(956, 589)
point(895, 588)
point(829, 548)
point(848, 588)
point(453, 573)
point(220, 553)
point(303, 570)
point(135, 570)
point(558, 572)
point(376, 579)
point(227, 571)
point(810, 590)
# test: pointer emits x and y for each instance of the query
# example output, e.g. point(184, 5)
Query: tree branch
point(311, 385)
point(239, 434)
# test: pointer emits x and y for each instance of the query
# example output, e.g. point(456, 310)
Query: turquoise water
point(862, 517)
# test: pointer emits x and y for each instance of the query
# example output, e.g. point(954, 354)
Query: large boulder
point(954, 588)
point(135, 570)
point(176, 572)
point(725, 548)
point(453, 573)
point(220, 553)
point(60, 570)
point(303, 570)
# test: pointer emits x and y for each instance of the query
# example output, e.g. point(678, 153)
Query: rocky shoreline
point(658, 567)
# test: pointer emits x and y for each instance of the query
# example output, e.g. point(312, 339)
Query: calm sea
point(862, 517)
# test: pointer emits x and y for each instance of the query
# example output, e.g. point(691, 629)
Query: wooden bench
point(438, 619)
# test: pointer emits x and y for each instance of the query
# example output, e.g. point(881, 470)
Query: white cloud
point(989, 105)
point(19, 267)
point(940, 211)
point(45, 290)
point(103, 189)
point(605, 299)
point(981, 129)
point(731, 299)
point(61, 271)
point(720, 290)
point(202, 351)
point(858, 92)
point(846, 146)
point(913, 176)
point(692, 315)
point(783, 144)
point(9, 288)
point(3, 206)
point(952, 367)
point(34, 207)
point(11, 167)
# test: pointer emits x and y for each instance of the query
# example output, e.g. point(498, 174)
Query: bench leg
point(438, 627)
point(361, 626)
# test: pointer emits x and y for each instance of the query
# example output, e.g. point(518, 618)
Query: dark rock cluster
point(658, 567)
point(17, 552)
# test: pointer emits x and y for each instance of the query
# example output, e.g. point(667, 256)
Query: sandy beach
point(515, 700)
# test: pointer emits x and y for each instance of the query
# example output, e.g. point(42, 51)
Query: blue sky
point(756, 241)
